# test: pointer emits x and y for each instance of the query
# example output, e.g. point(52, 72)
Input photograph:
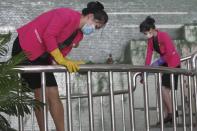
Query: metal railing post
point(90, 101)
point(79, 100)
point(112, 104)
point(173, 101)
point(194, 64)
point(157, 99)
point(20, 118)
point(183, 102)
point(135, 79)
point(194, 67)
point(190, 103)
point(20, 123)
point(160, 102)
point(69, 105)
point(43, 83)
point(123, 112)
point(146, 103)
point(102, 115)
point(131, 103)
point(195, 94)
point(32, 119)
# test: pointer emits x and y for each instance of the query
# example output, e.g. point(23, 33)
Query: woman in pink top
point(40, 40)
point(161, 43)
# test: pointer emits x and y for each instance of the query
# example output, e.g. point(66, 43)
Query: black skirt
point(166, 79)
point(34, 79)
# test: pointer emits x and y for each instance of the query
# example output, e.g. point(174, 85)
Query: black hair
point(147, 24)
point(97, 9)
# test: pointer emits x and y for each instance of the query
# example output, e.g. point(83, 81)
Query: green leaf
point(16, 97)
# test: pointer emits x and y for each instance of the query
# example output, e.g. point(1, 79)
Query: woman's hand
point(70, 65)
point(158, 62)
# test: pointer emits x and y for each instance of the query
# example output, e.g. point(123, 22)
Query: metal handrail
point(107, 67)
point(135, 79)
point(186, 58)
point(138, 73)
point(194, 58)
point(194, 67)
point(118, 67)
point(110, 69)
point(104, 68)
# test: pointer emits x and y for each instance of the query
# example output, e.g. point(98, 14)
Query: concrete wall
point(125, 16)
point(120, 37)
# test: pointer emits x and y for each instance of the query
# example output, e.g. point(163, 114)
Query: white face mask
point(149, 35)
point(87, 29)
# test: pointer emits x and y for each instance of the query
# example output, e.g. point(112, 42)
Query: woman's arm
point(149, 53)
point(53, 29)
point(75, 45)
point(169, 45)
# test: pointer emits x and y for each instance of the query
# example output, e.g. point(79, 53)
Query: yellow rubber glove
point(71, 66)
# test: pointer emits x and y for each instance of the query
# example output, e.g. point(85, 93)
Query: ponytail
point(97, 9)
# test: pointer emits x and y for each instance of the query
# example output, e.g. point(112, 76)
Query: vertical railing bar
point(160, 102)
point(69, 105)
point(176, 105)
point(131, 103)
point(146, 103)
point(194, 66)
point(20, 118)
point(43, 79)
point(20, 123)
point(79, 114)
point(173, 101)
point(123, 112)
point(188, 68)
point(102, 115)
point(188, 65)
point(183, 103)
point(32, 119)
point(90, 102)
point(157, 100)
point(112, 101)
point(195, 94)
point(190, 103)
point(190, 95)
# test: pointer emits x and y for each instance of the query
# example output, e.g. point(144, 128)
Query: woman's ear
point(75, 45)
point(90, 16)
point(152, 30)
